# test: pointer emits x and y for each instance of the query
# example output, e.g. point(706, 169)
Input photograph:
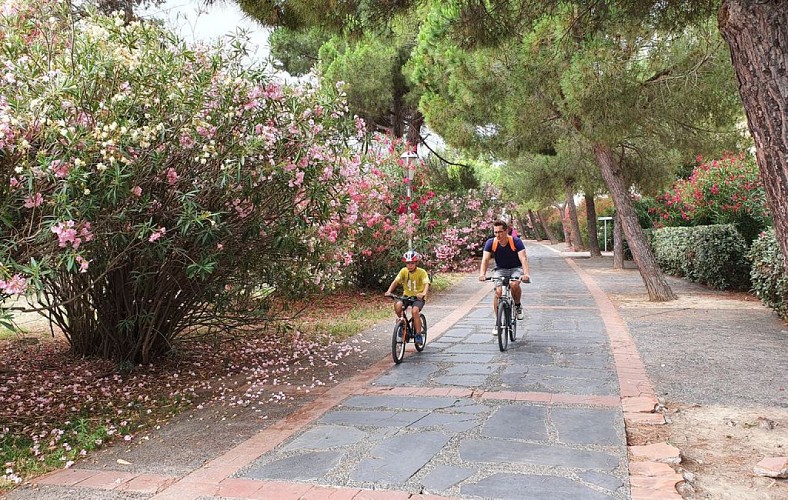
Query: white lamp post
point(409, 158)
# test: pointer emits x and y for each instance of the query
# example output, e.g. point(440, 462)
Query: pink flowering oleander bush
point(448, 230)
point(149, 188)
point(723, 191)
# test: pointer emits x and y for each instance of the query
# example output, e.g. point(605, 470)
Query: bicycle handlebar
point(403, 298)
point(501, 278)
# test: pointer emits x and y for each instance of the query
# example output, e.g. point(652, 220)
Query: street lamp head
point(410, 157)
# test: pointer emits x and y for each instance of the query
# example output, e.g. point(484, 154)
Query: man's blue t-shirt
point(505, 258)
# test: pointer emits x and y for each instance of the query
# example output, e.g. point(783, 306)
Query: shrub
point(713, 255)
point(148, 188)
point(725, 191)
point(448, 229)
point(671, 248)
point(769, 280)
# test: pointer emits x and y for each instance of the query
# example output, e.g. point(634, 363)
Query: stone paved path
point(543, 420)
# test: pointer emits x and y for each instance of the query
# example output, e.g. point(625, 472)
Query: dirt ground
point(720, 443)
point(719, 448)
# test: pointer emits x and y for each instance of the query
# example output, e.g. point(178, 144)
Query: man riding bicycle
point(416, 284)
point(511, 261)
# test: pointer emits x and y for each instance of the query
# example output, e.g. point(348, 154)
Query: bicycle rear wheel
point(504, 316)
point(398, 343)
point(420, 346)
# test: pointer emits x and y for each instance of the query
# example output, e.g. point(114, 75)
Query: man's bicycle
point(506, 318)
point(403, 330)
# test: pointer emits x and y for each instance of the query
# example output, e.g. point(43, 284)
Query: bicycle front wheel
point(420, 346)
point(513, 328)
point(504, 316)
point(398, 343)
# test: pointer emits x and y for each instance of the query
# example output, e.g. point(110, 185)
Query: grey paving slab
point(431, 403)
point(560, 385)
point(602, 480)
point(532, 487)
point(477, 357)
point(374, 418)
point(325, 437)
point(450, 422)
point(471, 369)
point(564, 372)
point(585, 360)
point(415, 373)
point(478, 338)
point(446, 476)
point(303, 467)
point(469, 380)
point(396, 459)
point(457, 332)
point(588, 426)
point(462, 348)
point(518, 422)
point(501, 451)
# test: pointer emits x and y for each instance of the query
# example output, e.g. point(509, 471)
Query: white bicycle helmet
point(410, 256)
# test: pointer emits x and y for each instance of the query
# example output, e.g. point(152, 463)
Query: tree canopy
point(639, 98)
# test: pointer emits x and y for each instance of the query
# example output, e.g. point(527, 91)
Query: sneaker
point(495, 331)
point(419, 339)
point(519, 309)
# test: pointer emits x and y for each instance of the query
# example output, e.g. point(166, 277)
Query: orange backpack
point(511, 244)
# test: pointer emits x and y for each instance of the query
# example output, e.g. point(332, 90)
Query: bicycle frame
point(403, 330)
point(505, 318)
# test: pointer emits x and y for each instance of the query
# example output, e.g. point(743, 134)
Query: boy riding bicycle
point(511, 261)
point(415, 284)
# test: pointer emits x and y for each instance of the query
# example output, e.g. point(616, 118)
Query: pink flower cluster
point(69, 233)
point(60, 168)
point(34, 201)
point(158, 233)
point(14, 286)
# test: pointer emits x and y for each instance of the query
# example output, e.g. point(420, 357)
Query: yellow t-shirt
point(414, 282)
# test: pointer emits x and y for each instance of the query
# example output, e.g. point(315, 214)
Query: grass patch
point(344, 314)
point(444, 281)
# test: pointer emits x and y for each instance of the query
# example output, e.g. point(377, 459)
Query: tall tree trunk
point(618, 242)
point(658, 289)
point(593, 240)
point(534, 226)
point(565, 226)
point(547, 231)
point(577, 237)
point(756, 35)
point(413, 129)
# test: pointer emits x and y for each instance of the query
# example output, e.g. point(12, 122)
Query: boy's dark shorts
point(416, 302)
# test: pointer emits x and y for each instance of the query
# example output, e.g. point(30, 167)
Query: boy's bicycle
point(506, 319)
point(403, 330)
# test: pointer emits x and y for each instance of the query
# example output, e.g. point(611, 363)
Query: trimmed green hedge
point(714, 255)
point(769, 280)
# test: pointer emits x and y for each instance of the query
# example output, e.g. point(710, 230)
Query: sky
point(193, 21)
